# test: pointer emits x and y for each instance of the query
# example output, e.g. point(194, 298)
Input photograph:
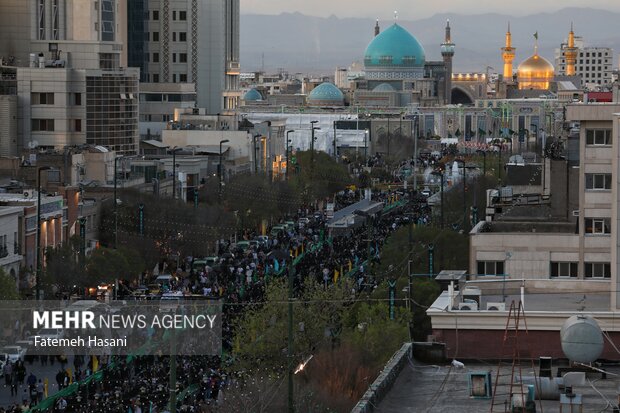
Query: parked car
point(51, 333)
point(14, 353)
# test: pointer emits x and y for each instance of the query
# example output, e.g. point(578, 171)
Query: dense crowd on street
point(239, 275)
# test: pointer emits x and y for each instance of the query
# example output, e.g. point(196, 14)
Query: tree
point(261, 333)
point(65, 268)
point(319, 176)
point(8, 287)
point(106, 265)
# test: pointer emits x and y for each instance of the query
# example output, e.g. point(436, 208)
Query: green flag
point(481, 132)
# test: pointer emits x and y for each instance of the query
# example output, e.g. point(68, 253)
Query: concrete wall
point(383, 383)
point(531, 253)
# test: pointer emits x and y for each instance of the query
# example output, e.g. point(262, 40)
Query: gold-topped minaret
point(508, 54)
point(570, 53)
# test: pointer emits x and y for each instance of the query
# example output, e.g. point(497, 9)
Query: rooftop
point(522, 227)
point(443, 388)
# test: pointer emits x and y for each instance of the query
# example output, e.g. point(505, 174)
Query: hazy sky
point(416, 9)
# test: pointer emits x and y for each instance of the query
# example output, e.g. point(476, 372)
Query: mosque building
point(397, 73)
point(535, 76)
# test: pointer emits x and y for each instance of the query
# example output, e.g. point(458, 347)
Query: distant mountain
point(300, 43)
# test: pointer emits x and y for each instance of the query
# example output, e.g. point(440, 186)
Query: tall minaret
point(570, 53)
point(447, 52)
point(377, 28)
point(508, 54)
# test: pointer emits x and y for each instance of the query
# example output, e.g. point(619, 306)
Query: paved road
point(41, 372)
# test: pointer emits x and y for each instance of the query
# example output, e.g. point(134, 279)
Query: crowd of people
point(239, 275)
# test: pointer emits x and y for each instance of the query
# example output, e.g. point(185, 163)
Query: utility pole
point(172, 382)
point(335, 145)
point(116, 158)
point(414, 133)
point(287, 146)
point(291, 279)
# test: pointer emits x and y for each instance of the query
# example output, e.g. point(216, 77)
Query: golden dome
point(535, 72)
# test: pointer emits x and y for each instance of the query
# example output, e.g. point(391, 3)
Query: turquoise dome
point(252, 95)
point(394, 47)
point(383, 87)
point(326, 92)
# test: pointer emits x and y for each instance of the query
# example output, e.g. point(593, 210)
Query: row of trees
point(67, 269)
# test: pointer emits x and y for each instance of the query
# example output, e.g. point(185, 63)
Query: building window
point(174, 78)
point(155, 57)
point(109, 61)
point(182, 15)
point(42, 98)
point(78, 125)
point(597, 269)
point(183, 78)
point(490, 267)
point(155, 36)
point(183, 57)
point(598, 226)
point(174, 36)
point(77, 99)
point(598, 181)
point(155, 15)
point(598, 136)
point(182, 36)
point(174, 15)
point(155, 77)
point(174, 57)
point(43, 125)
point(564, 269)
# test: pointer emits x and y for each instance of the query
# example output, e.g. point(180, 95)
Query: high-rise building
point(73, 86)
point(81, 33)
point(195, 41)
point(593, 64)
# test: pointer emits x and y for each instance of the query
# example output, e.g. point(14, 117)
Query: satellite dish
point(582, 339)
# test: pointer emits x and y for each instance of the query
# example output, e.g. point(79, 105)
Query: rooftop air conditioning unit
point(496, 306)
point(469, 306)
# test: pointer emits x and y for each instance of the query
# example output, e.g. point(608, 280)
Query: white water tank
point(33, 60)
point(582, 339)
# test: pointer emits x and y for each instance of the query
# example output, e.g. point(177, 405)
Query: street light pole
point(414, 133)
point(219, 165)
point(335, 145)
point(254, 150)
point(464, 192)
point(499, 161)
point(440, 175)
point(174, 172)
point(366, 132)
point(287, 145)
point(484, 155)
point(116, 158)
point(291, 279)
point(39, 258)
point(312, 122)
